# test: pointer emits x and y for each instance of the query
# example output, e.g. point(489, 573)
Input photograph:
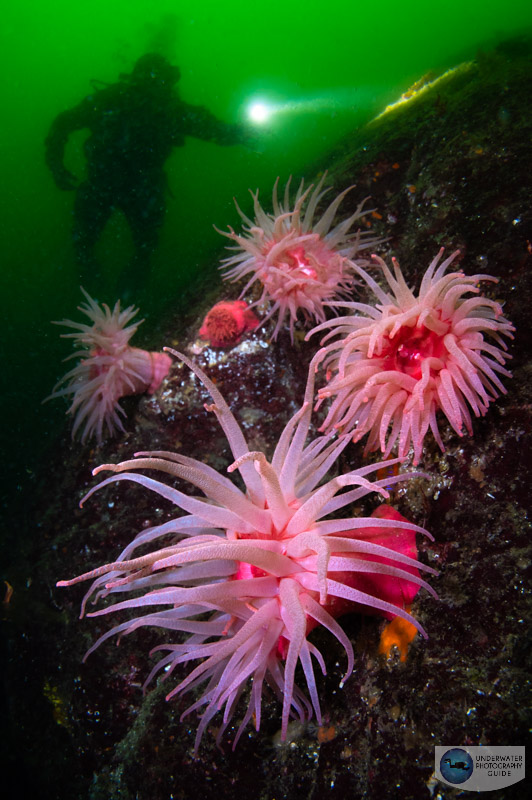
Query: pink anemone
point(301, 263)
point(398, 363)
point(109, 368)
point(246, 574)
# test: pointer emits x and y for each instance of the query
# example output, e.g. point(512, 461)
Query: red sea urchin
point(108, 370)
point(300, 263)
point(267, 565)
point(401, 361)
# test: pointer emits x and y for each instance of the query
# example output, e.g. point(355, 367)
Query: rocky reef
point(449, 166)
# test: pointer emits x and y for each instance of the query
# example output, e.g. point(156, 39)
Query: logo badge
point(478, 768)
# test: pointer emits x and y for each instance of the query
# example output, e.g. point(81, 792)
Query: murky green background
point(329, 66)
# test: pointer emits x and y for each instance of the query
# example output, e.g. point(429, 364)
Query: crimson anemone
point(398, 363)
point(109, 369)
point(301, 264)
point(266, 565)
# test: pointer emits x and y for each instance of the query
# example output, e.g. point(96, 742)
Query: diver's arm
point(198, 121)
point(63, 125)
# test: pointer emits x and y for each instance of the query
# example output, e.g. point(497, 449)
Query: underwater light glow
point(259, 112)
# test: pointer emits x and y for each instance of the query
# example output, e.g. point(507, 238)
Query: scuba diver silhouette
point(134, 126)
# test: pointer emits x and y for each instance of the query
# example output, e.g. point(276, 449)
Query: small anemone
point(108, 369)
point(227, 321)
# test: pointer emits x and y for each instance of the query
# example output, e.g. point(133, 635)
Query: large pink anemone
point(399, 362)
point(109, 368)
point(301, 263)
point(247, 574)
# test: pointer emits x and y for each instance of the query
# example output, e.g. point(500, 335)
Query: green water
point(329, 66)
